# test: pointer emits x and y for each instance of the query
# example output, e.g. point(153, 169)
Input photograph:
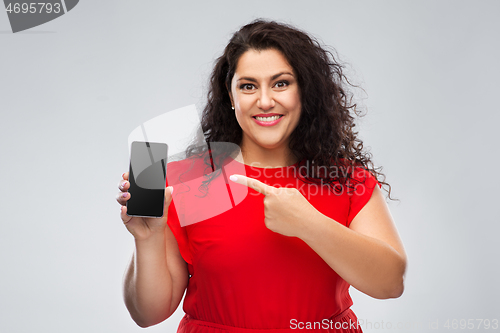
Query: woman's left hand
point(286, 210)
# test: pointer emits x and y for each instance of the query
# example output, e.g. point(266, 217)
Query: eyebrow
point(274, 77)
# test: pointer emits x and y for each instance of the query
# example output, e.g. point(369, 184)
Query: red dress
point(245, 277)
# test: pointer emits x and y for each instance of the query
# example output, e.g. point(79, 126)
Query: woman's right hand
point(141, 227)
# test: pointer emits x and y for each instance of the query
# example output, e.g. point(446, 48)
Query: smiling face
point(266, 98)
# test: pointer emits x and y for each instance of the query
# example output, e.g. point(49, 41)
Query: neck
point(261, 157)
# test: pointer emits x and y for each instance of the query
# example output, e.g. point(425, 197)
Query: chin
point(270, 145)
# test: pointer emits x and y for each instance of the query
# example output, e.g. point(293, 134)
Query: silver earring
point(232, 107)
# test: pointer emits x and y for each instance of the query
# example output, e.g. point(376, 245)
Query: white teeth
point(273, 118)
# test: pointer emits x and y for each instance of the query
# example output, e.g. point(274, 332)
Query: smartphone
point(147, 177)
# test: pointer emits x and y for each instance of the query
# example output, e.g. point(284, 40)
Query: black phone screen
point(147, 176)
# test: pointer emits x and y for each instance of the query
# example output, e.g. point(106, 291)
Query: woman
point(313, 221)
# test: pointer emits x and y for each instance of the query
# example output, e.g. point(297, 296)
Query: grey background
point(72, 90)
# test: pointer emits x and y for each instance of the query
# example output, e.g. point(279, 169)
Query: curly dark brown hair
point(325, 138)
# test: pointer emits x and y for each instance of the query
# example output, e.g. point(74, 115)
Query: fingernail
point(233, 178)
point(171, 189)
point(124, 195)
point(123, 184)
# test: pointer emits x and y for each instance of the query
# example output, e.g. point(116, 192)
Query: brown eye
point(281, 84)
point(247, 86)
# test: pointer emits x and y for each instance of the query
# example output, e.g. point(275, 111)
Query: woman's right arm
point(157, 275)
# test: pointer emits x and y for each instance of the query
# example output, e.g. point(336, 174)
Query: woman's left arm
point(369, 255)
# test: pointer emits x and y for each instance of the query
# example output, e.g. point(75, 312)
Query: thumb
point(168, 195)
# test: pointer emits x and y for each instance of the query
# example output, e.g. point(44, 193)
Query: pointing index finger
point(252, 183)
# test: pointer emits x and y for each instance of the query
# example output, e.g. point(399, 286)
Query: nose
point(265, 101)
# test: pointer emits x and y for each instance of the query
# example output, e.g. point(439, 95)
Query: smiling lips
point(269, 119)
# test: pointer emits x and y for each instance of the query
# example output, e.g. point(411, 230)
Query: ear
point(230, 95)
